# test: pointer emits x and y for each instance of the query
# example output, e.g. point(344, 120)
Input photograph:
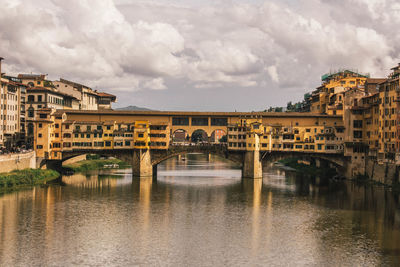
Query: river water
point(199, 212)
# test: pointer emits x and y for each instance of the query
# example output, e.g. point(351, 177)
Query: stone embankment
point(17, 161)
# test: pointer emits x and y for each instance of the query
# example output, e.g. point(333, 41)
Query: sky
point(199, 55)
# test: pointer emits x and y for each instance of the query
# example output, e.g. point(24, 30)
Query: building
point(328, 98)
point(45, 98)
point(54, 133)
point(389, 94)
point(89, 99)
point(12, 111)
point(105, 100)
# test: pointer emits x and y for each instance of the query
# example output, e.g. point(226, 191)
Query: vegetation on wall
point(25, 178)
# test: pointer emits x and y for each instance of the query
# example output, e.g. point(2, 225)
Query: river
point(199, 212)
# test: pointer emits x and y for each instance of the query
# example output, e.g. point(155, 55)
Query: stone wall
point(386, 173)
point(9, 162)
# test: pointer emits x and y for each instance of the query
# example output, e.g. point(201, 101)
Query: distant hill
point(134, 108)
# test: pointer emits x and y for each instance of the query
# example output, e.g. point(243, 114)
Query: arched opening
point(199, 136)
point(218, 137)
point(180, 136)
point(314, 165)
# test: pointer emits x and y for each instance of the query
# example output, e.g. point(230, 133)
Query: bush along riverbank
point(96, 164)
point(308, 169)
point(18, 179)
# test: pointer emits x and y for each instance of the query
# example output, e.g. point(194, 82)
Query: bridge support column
point(252, 165)
point(141, 163)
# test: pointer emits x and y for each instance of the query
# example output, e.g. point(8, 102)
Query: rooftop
point(197, 113)
point(32, 76)
point(333, 74)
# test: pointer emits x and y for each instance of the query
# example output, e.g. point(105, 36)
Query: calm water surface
point(199, 212)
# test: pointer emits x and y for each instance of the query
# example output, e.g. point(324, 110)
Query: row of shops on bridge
point(58, 132)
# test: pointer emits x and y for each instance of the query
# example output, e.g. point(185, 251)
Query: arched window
point(31, 84)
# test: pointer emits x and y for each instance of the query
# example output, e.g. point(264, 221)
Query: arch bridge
point(148, 137)
point(144, 162)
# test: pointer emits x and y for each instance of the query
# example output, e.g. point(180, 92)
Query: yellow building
point(301, 137)
point(328, 98)
point(54, 133)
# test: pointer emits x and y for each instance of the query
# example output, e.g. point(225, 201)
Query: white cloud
point(141, 45)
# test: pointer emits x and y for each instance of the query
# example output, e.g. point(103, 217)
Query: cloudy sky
point(199, 55)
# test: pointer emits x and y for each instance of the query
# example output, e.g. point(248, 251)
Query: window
point(57, 125)
point(40, 125)
point(30, 113)
point(357, 123)
point(199, 121)
point(357, 134)
point(40, 135)
point(89, 128)
point(39, 146)
point(31, 98)
point(66, 127)
point(180, 121)
point(219, 121)
point(98, 127)
point(140, 135)
point(39, 98)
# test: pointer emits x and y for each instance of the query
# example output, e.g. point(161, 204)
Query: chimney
point(0, 66)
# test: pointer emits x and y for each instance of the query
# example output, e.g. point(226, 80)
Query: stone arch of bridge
point(221, 151)
point(332, 160)
point(125, 156)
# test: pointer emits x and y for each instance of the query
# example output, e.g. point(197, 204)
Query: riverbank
point(97, 164)
point(18, 179)
point(307, 169)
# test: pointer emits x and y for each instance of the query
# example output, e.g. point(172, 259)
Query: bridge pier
point(141, 163)
point(252, 165)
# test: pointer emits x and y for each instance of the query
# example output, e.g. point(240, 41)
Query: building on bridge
point(147, 136)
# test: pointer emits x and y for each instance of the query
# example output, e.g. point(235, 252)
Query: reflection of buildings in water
point(91, 180)
point(142, 190)
point(253, 191)
point(18, 208)
point(9, 220)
